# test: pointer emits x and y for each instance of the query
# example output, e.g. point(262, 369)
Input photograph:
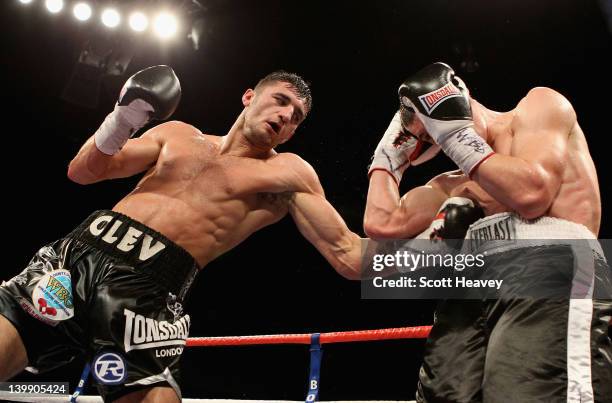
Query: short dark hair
point(406, 115)
point(300, 87)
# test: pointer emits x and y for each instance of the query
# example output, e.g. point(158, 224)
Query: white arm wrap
point(466, 148)
point(391, 157)
point(120, 124)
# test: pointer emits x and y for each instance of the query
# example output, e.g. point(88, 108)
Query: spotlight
point(25, 1)
point(82, 11)
point(138, 21)
point(54, 6)
point(111, 18)
point(165, 25)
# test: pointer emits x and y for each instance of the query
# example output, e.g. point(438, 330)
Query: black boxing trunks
point(112, 290)
point(526, 349)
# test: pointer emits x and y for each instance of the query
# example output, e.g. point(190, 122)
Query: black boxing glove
point(454, 218)
point(441, 101)
point(152, 93)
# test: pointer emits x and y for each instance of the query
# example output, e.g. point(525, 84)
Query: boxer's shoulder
point(301, 172)
point(544, 93)
point(289, 160)
point(545, 100)
point(174, 130)
point(543, 108)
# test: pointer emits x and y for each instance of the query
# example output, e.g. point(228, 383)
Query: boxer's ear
point(247, 97)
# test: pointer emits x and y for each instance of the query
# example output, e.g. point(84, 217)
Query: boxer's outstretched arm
point(529, 178)
point(321, 224)
point(90, 165)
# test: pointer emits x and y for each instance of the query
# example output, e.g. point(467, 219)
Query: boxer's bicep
point(389, 216)
point(136, 156)
point(541, 135)
point(417, 209)
point(546, 152)
point(91, 165)
point(528, 177)
point(319, 222)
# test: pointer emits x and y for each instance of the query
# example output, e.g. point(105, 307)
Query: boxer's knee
point(13, 354)
point(157, 394)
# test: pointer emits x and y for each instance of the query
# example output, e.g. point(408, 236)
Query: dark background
point(355, 54)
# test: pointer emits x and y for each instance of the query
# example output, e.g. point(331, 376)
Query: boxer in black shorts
point(534, 163)
point(113, 289)
point(543, 337)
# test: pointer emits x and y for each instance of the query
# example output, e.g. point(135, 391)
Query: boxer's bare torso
point(209, 193)
point(541, 167)
point(578, 198)
point(206, 201)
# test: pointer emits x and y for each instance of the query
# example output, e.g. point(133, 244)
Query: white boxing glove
point(397, 150)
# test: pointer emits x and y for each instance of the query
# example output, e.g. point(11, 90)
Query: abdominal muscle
point(205, 228)
point(175, 220)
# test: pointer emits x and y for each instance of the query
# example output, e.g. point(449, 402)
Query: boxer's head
point(275, 108)
point(412, 125)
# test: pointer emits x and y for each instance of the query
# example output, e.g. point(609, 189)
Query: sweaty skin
point(542, 166)
point(209, 193)
point(389, 216)
point(208, 201)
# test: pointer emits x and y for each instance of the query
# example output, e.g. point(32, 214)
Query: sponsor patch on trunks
point(52, 296)
point(109, 368)
point(143, 333)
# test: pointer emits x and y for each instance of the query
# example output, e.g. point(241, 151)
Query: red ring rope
point(417, 332)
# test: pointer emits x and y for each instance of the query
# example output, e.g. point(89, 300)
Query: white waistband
point(507, 231)
point(539, 228)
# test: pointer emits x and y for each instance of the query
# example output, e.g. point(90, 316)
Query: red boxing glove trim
point(480, 162)
point(384, 170)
